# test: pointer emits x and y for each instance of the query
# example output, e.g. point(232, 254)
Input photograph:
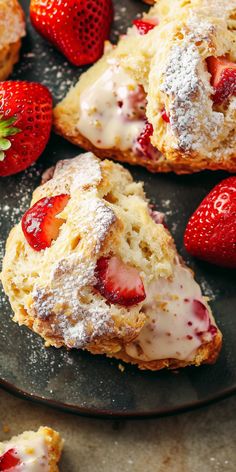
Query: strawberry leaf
point(6, 129)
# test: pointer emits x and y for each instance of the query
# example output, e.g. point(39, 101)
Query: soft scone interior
point(163, 73)
point(35, 451)
point(53, 291)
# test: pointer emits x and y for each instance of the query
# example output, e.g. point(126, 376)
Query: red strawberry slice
point(134, 107)
point(165, 116)
point(211, 231)
point(223, 78)
point(25, 124)
point(144, 137)
point(200, 310)
point(40, 223)
point(144, 26)
point(144, 146)
point(118, 282)
point(78, 28)
point(9, 459)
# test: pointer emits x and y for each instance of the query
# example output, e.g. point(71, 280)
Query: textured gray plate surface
point(90, 384)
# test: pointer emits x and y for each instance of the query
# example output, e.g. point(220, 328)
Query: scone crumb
point(121, 367)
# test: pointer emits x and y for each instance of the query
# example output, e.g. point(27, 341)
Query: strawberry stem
point(6, 129)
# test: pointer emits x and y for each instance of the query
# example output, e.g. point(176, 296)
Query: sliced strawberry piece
point(118, 282)
point(9, 459)
point(144, 26)
point(211, 231)
point(144, 145)
point(78, 28)
point(40, 224)
point(165, 116)
point(223, 78)
point(134, 106)
point(144, 137)
point(200, 310)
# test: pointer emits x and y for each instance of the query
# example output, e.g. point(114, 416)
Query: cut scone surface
point(33, 451)
point(57, 292)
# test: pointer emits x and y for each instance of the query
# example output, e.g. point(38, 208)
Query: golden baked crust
point(52, 291)
point(200, 135)
point(47, 438)
point(54, 445)
point(9, 55)
point(206, 354)
point(12, 29)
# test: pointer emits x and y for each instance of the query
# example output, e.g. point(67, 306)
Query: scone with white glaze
point(165, 96)
point(32, 451)
point(92, 266)
point(12, 29)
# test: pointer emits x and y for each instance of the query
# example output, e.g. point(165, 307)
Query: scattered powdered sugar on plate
point(16, 200)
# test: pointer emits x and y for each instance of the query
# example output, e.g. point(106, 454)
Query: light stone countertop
point(203, 440)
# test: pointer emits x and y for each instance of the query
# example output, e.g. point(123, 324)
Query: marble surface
point(199, 441)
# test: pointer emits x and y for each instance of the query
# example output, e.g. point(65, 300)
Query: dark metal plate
point(78, 381)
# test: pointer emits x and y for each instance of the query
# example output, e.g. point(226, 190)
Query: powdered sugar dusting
point(15, 201)
point(78, 315)
point(186, 82)
point(70, 175)
point(82, 171)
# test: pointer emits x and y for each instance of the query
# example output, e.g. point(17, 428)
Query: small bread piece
point(55, 293)
point(189, 131)
point(12, 29)
point(39, 450)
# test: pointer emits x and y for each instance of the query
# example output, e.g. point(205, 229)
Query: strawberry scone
point(32, 452)
point(165, 97)
point(91, 266)
point(12, 29)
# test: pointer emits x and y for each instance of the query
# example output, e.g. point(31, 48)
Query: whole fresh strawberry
point(78, 28)
point(25, 124)
point(211, 231)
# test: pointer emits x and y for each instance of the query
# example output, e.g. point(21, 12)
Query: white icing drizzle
point(173, 329)
point(31, 450)
point(102, 120)
point(187, 84)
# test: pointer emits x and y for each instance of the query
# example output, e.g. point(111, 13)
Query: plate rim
point(109, 414)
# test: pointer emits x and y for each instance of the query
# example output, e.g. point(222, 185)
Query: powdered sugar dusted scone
point(12, 29)
point(183, 64)
point(32, 451)
point(91, 266)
